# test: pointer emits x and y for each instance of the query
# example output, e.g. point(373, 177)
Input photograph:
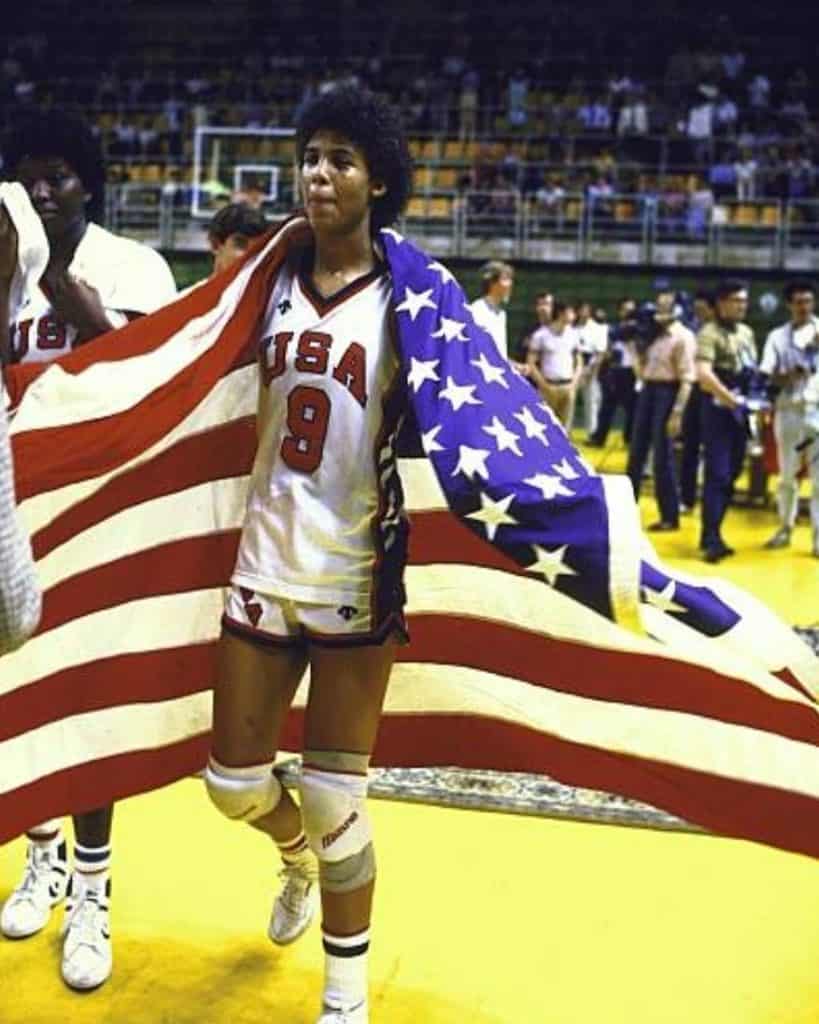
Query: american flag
point(546, 635)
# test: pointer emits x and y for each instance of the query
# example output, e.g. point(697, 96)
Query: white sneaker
point(87, 956)
point(357, 1015)
point(43, 886)
point(295, 906)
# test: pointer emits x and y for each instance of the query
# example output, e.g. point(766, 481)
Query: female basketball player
point(318, 578)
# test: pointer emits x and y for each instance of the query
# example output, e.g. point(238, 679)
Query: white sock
point(345, 969)
point(92, 867)
point(296, 851)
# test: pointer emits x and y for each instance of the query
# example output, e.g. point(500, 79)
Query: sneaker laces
point(35, 862)
point(85, 931)
point(297, 882)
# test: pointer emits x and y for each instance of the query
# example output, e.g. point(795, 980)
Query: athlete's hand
point(77, 303)
point(8, 247)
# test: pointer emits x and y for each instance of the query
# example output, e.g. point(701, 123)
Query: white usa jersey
point(129, 277)
point(325, 520)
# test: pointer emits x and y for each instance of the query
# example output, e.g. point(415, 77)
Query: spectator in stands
point(700, 207)
point(94, 281)
point(722, 176)
point(726, 115)
point(230, 232)
point(554, 363)
point(665, 366)
point(517, 98)
point(700, 128)
point(790, 358)
point(632, 118)
point(617, 379)
point(801, 175)
point(725, 348)
point(550, 199)
point(745, 168)
point(595, 116)
point(489, 310)
point(759, 91)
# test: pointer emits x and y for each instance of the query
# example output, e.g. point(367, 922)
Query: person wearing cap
point(230, 231)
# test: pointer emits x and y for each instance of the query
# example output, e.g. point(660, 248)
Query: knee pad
point(337, 826)
point(243, 794)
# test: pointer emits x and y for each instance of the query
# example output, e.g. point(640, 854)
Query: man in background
point(790, 358)
point(554, 362)
point(489, 310)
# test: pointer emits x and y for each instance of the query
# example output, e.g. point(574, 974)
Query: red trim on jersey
point(323, 304)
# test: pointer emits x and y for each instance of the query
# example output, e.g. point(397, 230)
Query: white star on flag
point(414, 302)
point(662, 599)
point(446, 276)
point(472, 461)
point(492, 374)
point(459, 394)
point(429, 442)
point(533, 427)
point(396, 236)
point(549, 486)
point(493, 514)
point(567, 471)
point(505, 439)
point(421, 370)
point(550, 563)
point(451, 330)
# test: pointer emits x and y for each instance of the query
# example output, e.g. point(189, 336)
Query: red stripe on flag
point(620, 677)
point(47, 459)
point(222, 452)
point(97, 783)
point(439, 536)
point(741, 809)
point(195, 563)
point(138, 678)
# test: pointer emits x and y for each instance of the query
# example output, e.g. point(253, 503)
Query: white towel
point(32, 245)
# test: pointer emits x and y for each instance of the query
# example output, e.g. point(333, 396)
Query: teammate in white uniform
point(94, 281)
point(318, 577)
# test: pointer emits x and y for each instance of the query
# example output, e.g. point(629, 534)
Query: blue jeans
point(654, 405)
point(724, 438)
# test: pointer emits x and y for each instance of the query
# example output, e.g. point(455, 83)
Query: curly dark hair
point(58, 133)
point(373, 125)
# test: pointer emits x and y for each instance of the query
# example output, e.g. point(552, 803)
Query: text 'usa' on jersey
point(329, 371)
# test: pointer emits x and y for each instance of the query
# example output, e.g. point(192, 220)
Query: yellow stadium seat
point(417, 207)
point(771, 216)
point(574, 209)
point(623, 211)
point(446, 177)
point(423, 177)
point(745, 216)
point(431, 149)
point(440, 207)
point(453, 149)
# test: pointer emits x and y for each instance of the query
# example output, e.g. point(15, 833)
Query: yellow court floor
point(480, 918)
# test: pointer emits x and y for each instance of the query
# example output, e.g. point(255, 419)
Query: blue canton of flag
point(503, 460)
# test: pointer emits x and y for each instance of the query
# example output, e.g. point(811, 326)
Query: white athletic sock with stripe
point(345, 969)
point(92, 866)
point(295, 852)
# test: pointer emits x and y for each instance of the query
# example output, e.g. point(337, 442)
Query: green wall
point(602, 285)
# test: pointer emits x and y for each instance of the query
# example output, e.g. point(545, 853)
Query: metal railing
point(625, 229)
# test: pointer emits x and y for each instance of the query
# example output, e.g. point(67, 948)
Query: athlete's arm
point(77, 303)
